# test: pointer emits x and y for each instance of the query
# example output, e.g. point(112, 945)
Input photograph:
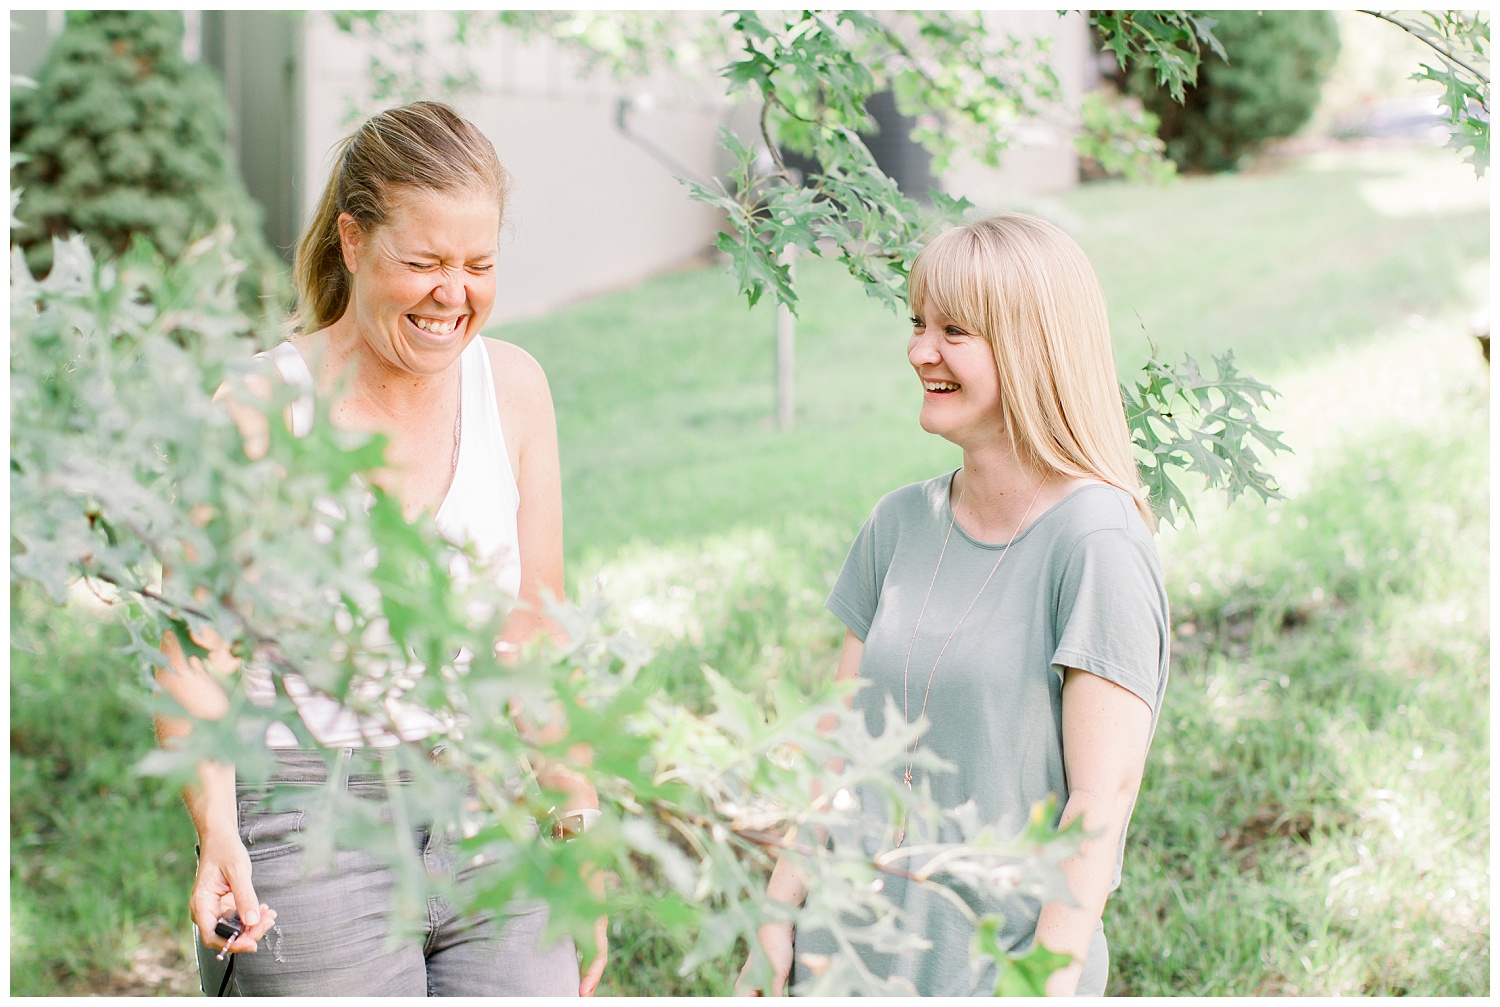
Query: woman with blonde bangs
point(1016, 605)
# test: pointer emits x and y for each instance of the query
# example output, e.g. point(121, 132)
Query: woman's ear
point(349, 239)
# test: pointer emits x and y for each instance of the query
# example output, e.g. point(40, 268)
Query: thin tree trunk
point(786, 356)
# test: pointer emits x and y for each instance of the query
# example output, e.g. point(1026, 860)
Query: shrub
point(124, 137)
point(1269, 86)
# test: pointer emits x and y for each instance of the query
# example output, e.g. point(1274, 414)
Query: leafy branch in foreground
point(971, 88)
point(1170, 43)
point(126, 472)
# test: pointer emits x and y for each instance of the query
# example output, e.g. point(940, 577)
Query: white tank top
point(479, 509)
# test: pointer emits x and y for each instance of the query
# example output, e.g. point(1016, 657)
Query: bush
point(123, 137)
point(1278, 60)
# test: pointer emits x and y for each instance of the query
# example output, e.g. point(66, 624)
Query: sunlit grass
point(1316, 817)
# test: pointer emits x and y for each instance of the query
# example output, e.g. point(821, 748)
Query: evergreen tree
point(1269, 86)
point(123, 137)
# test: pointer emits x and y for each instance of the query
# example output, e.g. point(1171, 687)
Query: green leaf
point(190, 647)
point(1180, 418)
point(754, 69)
point(1026, 975)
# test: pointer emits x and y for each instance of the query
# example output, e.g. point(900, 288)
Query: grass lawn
point(99, 858)
point(1315, 813)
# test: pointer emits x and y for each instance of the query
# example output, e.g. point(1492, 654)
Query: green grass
point(664, 396)
point(1315, 818)
point(1281, 268)
point(1315, 814)
point(99, 858)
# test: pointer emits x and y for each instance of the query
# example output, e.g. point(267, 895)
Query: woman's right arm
point(223, 881)
point(787, 885)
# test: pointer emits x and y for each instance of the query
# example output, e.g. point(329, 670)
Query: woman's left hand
point(590, 980)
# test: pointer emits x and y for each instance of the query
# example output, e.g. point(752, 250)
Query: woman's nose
point(922, 350)
point(450, 290)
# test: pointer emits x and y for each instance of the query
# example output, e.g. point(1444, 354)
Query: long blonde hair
point(1027, 287)
point(422, 146)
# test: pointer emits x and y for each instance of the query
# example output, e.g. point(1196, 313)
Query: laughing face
point(423, 283)
point(960, 383)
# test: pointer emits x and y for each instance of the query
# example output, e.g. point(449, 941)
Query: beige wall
point(1043, 161)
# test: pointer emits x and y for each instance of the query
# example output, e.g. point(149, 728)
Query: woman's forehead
point(422, 198)
point(444, 219)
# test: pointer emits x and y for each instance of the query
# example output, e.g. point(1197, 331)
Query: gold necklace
point(905, 671)
point(458, 425)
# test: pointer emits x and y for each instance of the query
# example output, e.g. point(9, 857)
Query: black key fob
point(229, 926)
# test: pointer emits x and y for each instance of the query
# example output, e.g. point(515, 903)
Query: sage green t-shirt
point(1080, 588)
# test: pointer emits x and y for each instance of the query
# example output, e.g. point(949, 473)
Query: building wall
point(258, 56)
point(1044, 160)
point(31, 35)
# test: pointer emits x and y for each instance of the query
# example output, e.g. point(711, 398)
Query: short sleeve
point(1112, 613)
point(856, 593)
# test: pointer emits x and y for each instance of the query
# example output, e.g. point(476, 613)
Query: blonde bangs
point(952, 272)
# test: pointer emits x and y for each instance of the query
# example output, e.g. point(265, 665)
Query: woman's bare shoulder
point(517, 374)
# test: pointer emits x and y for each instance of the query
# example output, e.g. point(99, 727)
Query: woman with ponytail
point(1015, 605)
point(395, 278)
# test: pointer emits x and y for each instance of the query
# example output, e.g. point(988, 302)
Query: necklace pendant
point(907, 779)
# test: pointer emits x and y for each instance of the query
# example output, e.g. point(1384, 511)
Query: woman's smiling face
point(423, 283)
point(960, 383)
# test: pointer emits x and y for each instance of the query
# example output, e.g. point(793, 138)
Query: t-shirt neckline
point(980, 543)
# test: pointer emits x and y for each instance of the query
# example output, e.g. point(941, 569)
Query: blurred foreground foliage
point(123, 467)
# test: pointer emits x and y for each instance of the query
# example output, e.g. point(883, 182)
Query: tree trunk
point(786, 357)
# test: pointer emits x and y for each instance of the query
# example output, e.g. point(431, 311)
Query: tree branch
point(1413, 31)
point(765, 133)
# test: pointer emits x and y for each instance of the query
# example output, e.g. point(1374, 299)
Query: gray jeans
point(335, 935)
